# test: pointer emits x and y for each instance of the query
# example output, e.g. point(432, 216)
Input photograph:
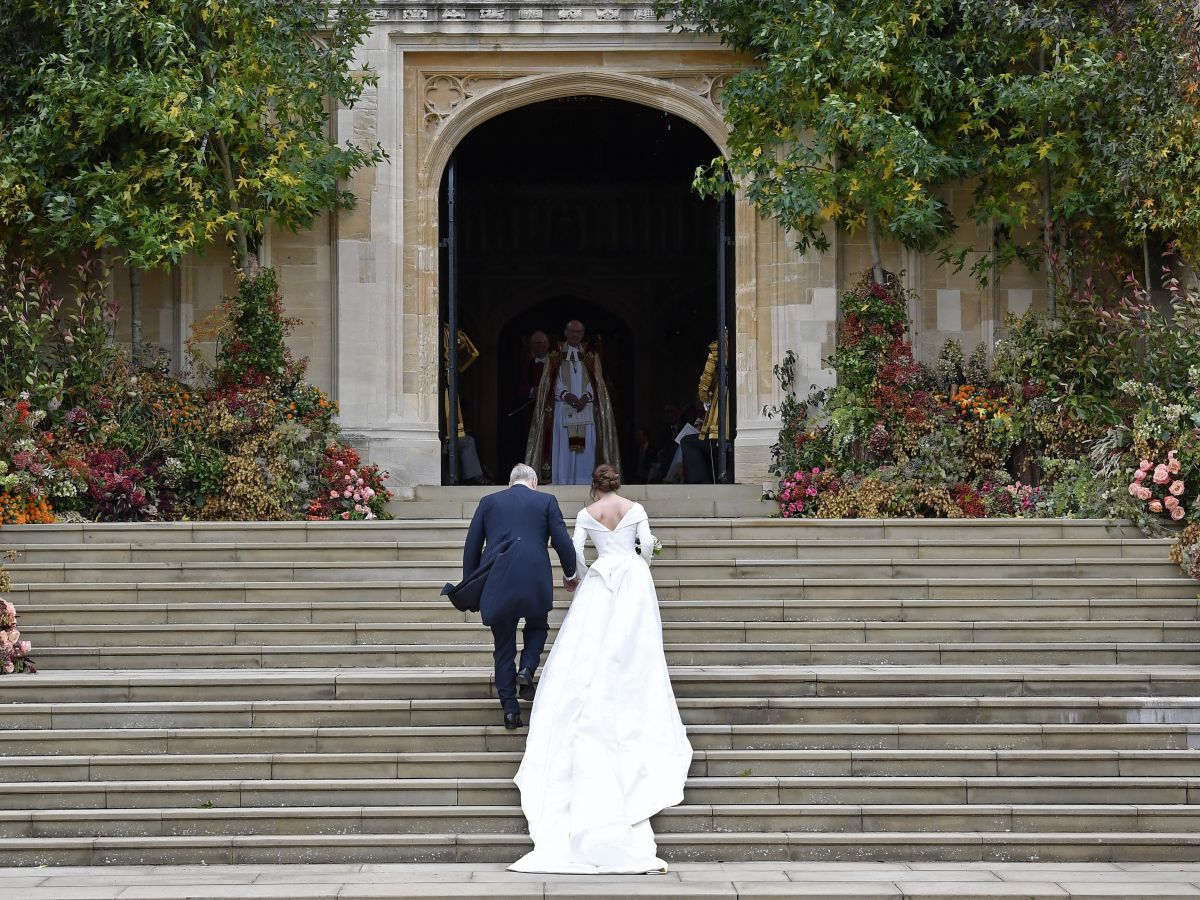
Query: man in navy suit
point(508, 536)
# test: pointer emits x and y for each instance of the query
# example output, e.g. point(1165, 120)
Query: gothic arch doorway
point(582, 208)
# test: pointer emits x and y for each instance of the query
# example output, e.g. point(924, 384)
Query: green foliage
point(951, 365)
point(252, 349)
point(52, 348)
point(852, 115)
point(160, 127)
point(1096, 116)
point(1077, 120)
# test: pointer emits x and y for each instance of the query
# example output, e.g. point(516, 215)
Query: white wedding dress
point(606, 748)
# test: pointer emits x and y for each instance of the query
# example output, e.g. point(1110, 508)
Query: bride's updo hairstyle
point(605, 479)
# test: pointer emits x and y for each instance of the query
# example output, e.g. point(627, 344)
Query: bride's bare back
point(610, 509)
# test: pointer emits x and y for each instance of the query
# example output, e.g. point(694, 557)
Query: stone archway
point(600, 216)
point(388, 311)
point(698, 106)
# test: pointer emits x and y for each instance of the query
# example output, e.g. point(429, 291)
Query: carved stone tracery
point(444, 93)
point(707, 86)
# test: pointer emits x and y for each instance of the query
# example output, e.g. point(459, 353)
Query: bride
point(606, 747)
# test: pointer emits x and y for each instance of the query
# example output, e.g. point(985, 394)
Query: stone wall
point(365, 282)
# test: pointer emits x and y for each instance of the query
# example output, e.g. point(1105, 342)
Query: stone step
point(673, 846)
point(748, 683)
point(259, 656)
point(665, 572)
point(685, 819)
point(41, 607)
point(883, 789)
point(242, 738)
point(701, 528)
point(349, 633)
point(971, 590)
point(690, 507)
point(682, 547)
point(501, 764)
point(895, 714)
point(581, 493)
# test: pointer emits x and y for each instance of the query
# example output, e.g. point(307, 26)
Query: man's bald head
point(573, 333)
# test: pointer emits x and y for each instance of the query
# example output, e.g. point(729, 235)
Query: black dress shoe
point(525, 683)
point(513, 720)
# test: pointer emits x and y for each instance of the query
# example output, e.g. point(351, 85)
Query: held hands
point(578, 403)
point(570, 583)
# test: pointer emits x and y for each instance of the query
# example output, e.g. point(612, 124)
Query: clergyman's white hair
point(522, 474)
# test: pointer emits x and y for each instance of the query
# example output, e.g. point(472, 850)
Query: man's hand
point(571, 583)
point(570, 399)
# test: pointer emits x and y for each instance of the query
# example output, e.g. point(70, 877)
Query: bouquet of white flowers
point(656, 549)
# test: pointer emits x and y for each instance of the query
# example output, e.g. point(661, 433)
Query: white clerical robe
point(567, 466)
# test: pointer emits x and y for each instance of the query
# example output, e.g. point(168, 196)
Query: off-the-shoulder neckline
point(635, 505)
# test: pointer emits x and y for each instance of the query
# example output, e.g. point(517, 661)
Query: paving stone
point(866, 890)
point(233, 892)
point(642, 888)
point(1146, 889)
point(1030, 889)
point(528, 890)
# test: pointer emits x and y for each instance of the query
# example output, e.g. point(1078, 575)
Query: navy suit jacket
point(506, 546)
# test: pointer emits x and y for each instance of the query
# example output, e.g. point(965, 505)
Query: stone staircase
point(859, 690)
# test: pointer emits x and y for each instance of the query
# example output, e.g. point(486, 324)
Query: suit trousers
point(504, 639)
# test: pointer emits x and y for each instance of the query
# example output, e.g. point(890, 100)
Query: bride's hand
point(570, 584)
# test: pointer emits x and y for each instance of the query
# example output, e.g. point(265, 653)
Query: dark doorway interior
point(583, 208)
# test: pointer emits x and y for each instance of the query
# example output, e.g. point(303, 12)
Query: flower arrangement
point(978, 405)
point(119, 490)
point(1012, 499)
point(14, 652)
point(245, 438)
point(1158, 486)
point(800, 493)
point(1186, 551)
point(16, 509)
point(347, 490)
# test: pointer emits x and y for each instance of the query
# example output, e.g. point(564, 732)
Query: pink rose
point(1177, 513)
point(25, 647)
point(1146, 465)
point(346, 493)
point(1155, 506)
point(816, 470)
point(9, 668)
point(1176, 488)
point(1171, 502)
point(1161, 475)
point(346, 515)
point(333, 495)
point(1144, 493)
point(1134, 489)
point(1139, 476)
point(1174, 466)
